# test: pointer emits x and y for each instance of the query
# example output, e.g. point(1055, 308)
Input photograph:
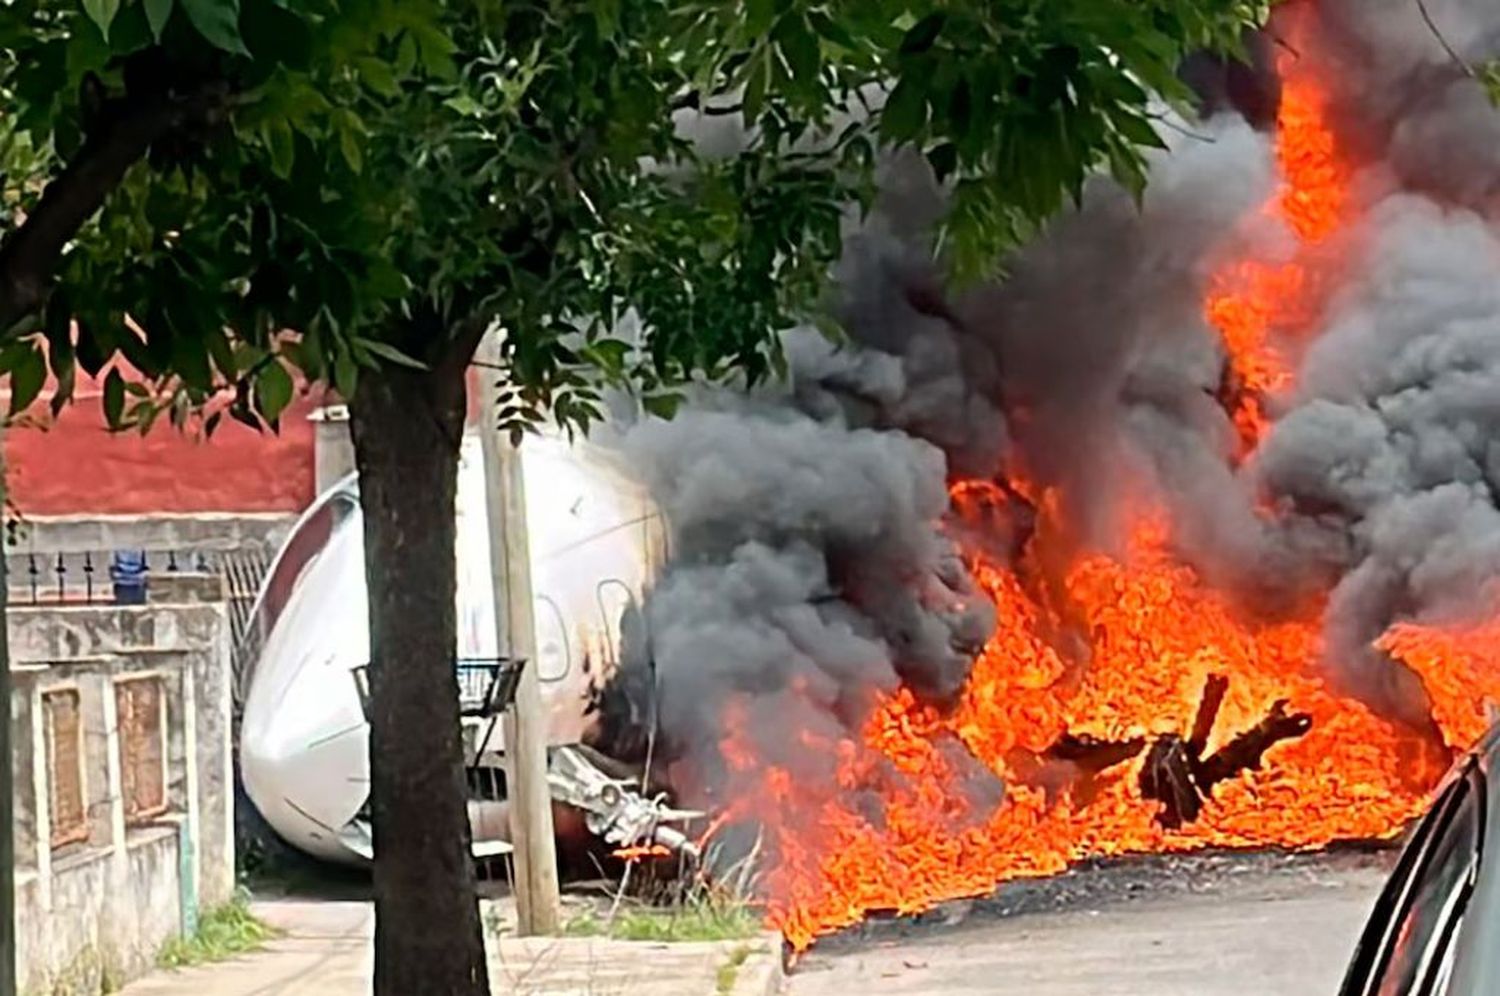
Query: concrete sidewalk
point(325, 949)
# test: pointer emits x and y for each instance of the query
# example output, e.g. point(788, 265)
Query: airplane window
point(554, 657)
point(615, 599)
point(1429, 919)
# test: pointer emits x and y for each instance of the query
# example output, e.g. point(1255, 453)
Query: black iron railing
point(486, 685)
point(35, 578)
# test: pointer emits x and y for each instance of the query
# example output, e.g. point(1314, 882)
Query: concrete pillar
point(115, 780)
point(215, 734)
point(41, 798)
point(333, 446)
point(192, 870)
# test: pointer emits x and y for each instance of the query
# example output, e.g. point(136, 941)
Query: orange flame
point(640, 852)
point(1254, 303)
point(1157, 633)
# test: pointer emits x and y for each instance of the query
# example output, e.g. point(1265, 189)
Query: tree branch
point(125, 130)
point(1442, 39)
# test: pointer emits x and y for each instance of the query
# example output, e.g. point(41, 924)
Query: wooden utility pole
point(538, 906)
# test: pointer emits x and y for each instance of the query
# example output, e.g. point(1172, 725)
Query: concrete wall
point(203, 532)
point(97, 912)
point(101, 927)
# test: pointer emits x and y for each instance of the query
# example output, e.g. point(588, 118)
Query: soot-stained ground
point(1206, 924)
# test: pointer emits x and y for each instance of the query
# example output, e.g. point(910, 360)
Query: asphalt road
point(1251, 926)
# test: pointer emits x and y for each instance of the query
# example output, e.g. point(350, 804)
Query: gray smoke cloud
point(809, 571)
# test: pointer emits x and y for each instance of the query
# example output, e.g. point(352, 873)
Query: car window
point(1433, 909)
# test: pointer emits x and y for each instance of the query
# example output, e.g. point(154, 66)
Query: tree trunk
point(428, 938)
point(8, 982)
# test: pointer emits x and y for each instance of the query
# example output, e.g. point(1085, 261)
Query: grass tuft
point(222, 933)
point(696, 920)
point(730, 970)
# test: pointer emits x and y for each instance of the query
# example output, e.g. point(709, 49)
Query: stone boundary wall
point(200, 532)
point(94, 914)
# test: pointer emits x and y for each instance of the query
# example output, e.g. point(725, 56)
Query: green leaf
point(378, 76)
point(905, 112)
point(221, 351)
point(385, 280)
point(436, 50)
point(799, 46)
point(144, 416)
point(391, 354)
point(923, 34)
point(114, 398)
point(755, 89)
point(831, 30)
point(349, 145)
point(345, 375)
point(157, 14)
point(273, 391)
point(218, 21)
point(1138, 130)
point(190, 361)
point(465, 105)
point(406, 55)
point(1489, 78)
point(102, 13)
point(28, 372)
point(62, 394)
point(278, 136)
point(608, 354)
point(662, 405)
point(759, 16)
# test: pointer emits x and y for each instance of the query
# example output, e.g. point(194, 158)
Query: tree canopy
point(335, 167)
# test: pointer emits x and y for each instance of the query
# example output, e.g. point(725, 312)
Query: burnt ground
point(1206, 924)
point(1105, 883)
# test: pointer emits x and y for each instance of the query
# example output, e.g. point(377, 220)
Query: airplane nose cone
point(304, 751)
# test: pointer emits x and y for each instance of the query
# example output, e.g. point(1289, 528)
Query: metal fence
point(243, 571)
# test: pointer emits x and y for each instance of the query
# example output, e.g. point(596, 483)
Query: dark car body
point(1435, 930)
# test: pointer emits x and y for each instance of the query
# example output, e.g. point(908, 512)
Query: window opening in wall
point(62, 718)
point(141, 709)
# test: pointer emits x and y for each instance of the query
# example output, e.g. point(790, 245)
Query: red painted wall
point(77, 467)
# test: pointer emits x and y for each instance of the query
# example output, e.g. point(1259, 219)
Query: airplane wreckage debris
point(1176, 772)
point(613, 808)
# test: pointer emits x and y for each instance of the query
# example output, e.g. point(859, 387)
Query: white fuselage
point(594, 541)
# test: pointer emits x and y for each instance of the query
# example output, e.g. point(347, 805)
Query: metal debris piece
point(613, 808)
point(1176, 773)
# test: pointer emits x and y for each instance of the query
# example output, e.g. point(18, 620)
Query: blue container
point(128, 570)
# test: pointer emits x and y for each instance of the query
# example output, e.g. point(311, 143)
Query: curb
point(763, 973)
